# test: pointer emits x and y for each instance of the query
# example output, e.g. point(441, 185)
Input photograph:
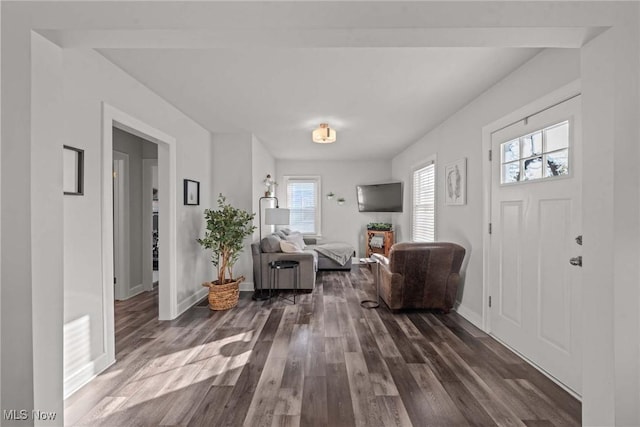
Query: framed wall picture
point(455, 182)
point(191, 192)
point(72, 171)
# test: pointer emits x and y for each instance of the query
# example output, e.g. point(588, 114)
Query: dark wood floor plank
point(393, 412)
point(324, 361)
point(416, 403)
point(541, 404)
point(331, 325)
point(385, 342)
point(502, 414)
point(365, 406)
point(403, 343)
point(339, 403)
point(264, 400)
point(286, 421)
point(315, 409)
point(468, 405)
point(379, 375)
point(506, 394)
point(438, 398)
point(211, 408)
point(347, 328)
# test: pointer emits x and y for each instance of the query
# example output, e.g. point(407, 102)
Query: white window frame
point(318, 180)
point(519, 137)
point(428, 162)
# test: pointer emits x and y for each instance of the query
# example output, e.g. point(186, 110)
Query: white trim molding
point(246, 287)
point(317, 179)
point(192, 300)
point(167, 177)
point(85, 374)
point(474, 318)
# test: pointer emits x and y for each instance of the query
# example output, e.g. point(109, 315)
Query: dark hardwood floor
point(324, 361)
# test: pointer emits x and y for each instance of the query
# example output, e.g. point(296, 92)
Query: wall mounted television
point(380, 197)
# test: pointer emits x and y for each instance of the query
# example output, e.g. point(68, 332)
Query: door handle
point(577, 261)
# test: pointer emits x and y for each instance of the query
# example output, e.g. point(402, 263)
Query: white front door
point(535, 218)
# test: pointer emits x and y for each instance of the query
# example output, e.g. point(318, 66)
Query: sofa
point(421, 275)
point(311, 260)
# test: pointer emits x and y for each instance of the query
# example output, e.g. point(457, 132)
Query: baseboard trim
point(85, 374)
point(246, 287)
point(136, 290)
point(538, 368)
point(189, 302)
point(470, 315)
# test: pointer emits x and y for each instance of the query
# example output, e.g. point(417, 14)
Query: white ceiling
point(380, 100)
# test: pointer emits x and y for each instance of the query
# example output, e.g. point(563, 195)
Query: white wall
point(341, 223)
point(89, 79)
point(232, 176)
point(262, 164)
point(47, 221)
point(611, 357)
point(17, 333)
point(137, 149)
point(461, 136)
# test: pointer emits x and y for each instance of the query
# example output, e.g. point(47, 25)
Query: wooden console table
point(387, 239)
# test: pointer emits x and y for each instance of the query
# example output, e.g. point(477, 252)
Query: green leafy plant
point(227, 227)
point(380, 226)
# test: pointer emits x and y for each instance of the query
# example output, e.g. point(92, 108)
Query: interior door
point(535, 219)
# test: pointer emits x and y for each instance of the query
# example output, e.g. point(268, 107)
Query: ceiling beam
point(528, 37)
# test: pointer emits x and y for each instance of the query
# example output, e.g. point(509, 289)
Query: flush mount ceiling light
point(324, 134)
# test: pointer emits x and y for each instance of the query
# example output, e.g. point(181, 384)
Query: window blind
point(424, 195)
point(302, 200)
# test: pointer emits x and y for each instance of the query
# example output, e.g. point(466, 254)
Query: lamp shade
point(276, 216)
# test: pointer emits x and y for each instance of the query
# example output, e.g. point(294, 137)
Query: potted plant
point(227, 228)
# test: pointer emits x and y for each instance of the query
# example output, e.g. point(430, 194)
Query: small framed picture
point(191, 192)
point(455, 183)
point(72, 171)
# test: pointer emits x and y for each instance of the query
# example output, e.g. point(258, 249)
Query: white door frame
point(121, 239)
point(536, 106)
point(147, 222)
point(167, 179)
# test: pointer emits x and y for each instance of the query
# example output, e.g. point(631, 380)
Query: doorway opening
point(128, 268)
point(135, 214)
point(135, 230)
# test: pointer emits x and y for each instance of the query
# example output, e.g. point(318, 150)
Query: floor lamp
point(272, 216)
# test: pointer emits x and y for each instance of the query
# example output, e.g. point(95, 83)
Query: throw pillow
point(270, 244)
point(285, 231)
point(296, 238)
point(289, 247)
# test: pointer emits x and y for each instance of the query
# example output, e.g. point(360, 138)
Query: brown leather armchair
point(421, 275)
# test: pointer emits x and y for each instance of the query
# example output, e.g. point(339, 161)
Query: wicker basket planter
point(223, 297)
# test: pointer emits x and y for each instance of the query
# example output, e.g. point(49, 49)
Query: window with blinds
point(424, 204)
point(303, 200)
